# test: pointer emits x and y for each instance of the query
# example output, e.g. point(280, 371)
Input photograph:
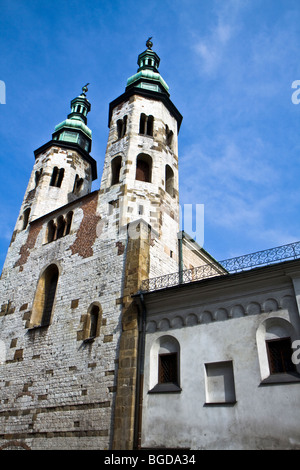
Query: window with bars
point(165, 365)
point(280, 355)
point(167, 369)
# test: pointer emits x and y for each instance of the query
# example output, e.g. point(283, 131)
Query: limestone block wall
point(57, 391)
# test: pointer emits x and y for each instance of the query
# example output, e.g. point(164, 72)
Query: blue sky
point(230, 65)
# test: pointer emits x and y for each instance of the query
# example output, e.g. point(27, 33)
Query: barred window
point(280, 355)
point(167, 370)
point(165, 365)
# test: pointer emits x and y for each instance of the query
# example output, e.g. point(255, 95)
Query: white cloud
point(211, 48)
point(236, 187)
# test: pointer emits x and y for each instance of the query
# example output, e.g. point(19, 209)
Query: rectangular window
point(280, 355)
point(167, 370)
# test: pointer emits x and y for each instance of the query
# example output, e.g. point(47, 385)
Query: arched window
point(150, 125)
point(116, 169)
point(51, 231)
point(169, 180)
point(61, 224)
point(121, 127)
point(59, 228)
point(60, 177)
point(146, 125)
point(77, 185)
point(143, 168)
point(274, 339)
point(93, 322)
point(38, 175)
point(26, 214)
point(142, 124)
point(57, 177)
point(169, 136)
point(44, 297)
point(69, 219)
point(165, 364)
point(54, 176)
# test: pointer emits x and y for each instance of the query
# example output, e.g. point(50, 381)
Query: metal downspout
point(180, 258)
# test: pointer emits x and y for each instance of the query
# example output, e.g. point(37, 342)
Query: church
point(118, 331)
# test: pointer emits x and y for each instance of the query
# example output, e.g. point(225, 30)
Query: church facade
point(89, 358)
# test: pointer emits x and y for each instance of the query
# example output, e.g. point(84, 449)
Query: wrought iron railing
point(229, 266)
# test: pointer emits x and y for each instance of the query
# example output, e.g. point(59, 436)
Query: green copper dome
point(147, 75)
point(74, 129)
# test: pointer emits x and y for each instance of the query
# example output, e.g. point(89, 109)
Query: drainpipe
point(140, 373)
point(180, 258)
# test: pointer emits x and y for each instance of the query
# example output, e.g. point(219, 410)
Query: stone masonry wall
point(57, 391)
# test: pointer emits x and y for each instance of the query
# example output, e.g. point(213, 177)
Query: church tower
point(140, 175)
point(63, 172)
point(63, 169)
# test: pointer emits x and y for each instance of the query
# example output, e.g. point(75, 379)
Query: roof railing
point(229, 266)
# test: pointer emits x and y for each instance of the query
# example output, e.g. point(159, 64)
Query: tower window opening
point(142, 123)
point(169, 136)
point(150, 125)
point(26, 214)
point(57, 177)
point(143, 168)
point(146, 125)
point(169, 180)
point(38, 175)
point(116, 164)
point(78, 183)
point(122, 127)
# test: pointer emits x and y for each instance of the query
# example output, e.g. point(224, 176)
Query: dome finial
point(149, 43)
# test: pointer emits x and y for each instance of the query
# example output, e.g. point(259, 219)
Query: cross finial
point(149, 43)
point(85, 88)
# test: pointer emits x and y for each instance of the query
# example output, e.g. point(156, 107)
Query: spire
point(74, 128)
point(148, 76)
